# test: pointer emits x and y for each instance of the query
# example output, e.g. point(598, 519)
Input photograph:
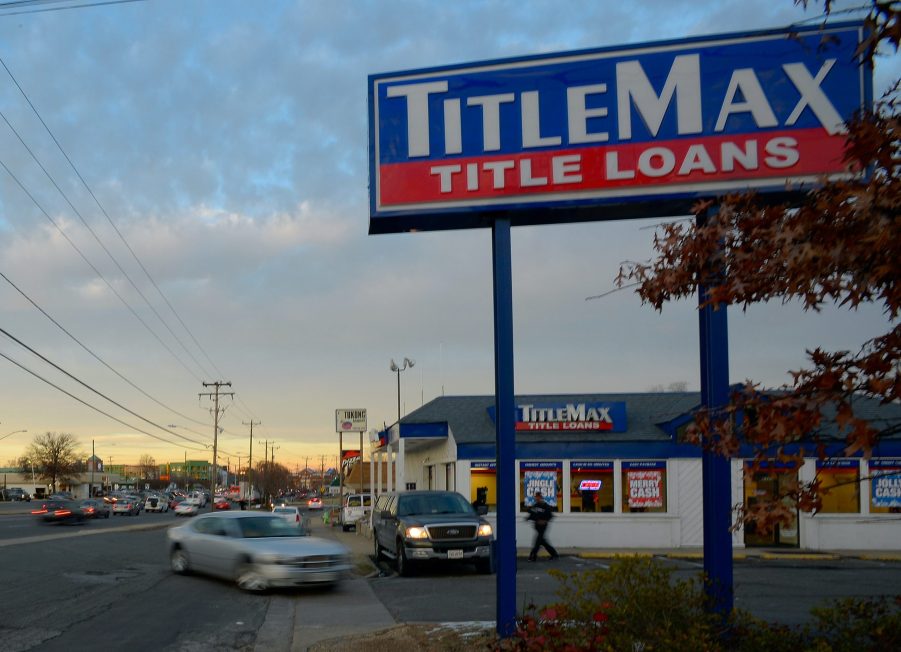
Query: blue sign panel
point(669, 120)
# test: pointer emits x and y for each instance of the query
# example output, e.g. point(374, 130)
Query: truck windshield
point(433, 504)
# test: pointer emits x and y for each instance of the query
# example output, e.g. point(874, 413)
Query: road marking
point(81, 533)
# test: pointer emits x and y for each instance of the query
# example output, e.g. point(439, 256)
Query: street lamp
point(11, 433)
point(407, 364)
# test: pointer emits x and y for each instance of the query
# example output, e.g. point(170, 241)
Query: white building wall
point(688, 503)
point(682, 526)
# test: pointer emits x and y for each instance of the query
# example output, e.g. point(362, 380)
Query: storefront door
point(766, 486)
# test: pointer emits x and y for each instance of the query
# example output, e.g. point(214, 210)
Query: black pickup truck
point(411, 526)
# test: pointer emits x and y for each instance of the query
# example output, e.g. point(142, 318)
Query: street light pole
point(9, 434)
point(408, 363)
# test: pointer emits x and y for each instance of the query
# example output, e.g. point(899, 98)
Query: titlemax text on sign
point(685, 118)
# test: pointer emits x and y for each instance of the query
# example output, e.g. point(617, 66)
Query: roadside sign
point(352, 420)
point(673, 120)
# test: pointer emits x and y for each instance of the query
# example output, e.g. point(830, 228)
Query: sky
point(218, 151)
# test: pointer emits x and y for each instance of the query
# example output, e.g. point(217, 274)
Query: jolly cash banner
point(886, 483)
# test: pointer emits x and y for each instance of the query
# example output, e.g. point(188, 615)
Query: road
point(107, 585)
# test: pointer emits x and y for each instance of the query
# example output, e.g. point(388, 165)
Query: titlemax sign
point(572, 416)
point(678, 119)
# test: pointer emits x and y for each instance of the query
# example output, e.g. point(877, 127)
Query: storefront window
point(591, 486)
point(546, 477)
point(839, 486)
point(885, 486)
point(766, 483)
point(644, 486)
point(483, 484)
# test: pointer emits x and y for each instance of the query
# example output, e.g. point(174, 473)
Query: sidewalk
point(294, 624)
point(352, 609)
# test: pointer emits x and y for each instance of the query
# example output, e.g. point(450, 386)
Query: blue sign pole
point(505, 439)
point(715, 469)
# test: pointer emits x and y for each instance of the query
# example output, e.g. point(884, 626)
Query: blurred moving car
point(187, 507)
point(95, 509)
point(60, 511)
point(127, 505)
point(256, 550)
point(290, 514)
point(314, 503)
point(156, 503)
point(222, 504)
point(174, 500)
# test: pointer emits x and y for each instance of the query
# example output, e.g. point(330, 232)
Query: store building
point(616, 470)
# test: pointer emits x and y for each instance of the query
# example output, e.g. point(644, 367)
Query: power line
point(118, 232)
point(97, 357)
point(98, 3)
point(96, 409)
point(108, 218)
point(99, 393)
point(96, 271)
point(100, 242)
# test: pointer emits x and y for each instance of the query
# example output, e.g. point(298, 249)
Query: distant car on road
point(127, 506)
point(430, 525)
point(156, 503)
point(16, 493)
point(256, 550)
point(290, 514)
point(95, 509)
point(222, 504)
point(60, 511)
point(187, 507)
point(314, 503)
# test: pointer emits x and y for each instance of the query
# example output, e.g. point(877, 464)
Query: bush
point(637, 605)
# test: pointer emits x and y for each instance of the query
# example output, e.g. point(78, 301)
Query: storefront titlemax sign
point(572, 416)
point(680, 118)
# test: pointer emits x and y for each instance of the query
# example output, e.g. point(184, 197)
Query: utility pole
point(272, 467)
point(215, 396)
point(250, 460)
point(263, 468)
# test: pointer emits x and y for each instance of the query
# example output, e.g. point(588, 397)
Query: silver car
point(256, 550)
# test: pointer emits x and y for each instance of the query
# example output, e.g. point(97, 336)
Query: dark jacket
point(541, 513)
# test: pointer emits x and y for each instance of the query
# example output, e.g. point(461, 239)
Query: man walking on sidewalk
point(541, 514)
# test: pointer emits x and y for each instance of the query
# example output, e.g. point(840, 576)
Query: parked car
point(156, 503)
point(187, 507)
point(127, 506)
point(256, 550)
point(290, 514)
point(95, 508)
point(16, 493)
point(411, 526)
point(60, 511)
point(314, 503)
point(356, 508)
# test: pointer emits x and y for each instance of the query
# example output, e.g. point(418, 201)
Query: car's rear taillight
point(62, 512)
point(39, 511)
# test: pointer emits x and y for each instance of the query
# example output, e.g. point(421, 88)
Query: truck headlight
point(484, 530)
point(417, 533)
